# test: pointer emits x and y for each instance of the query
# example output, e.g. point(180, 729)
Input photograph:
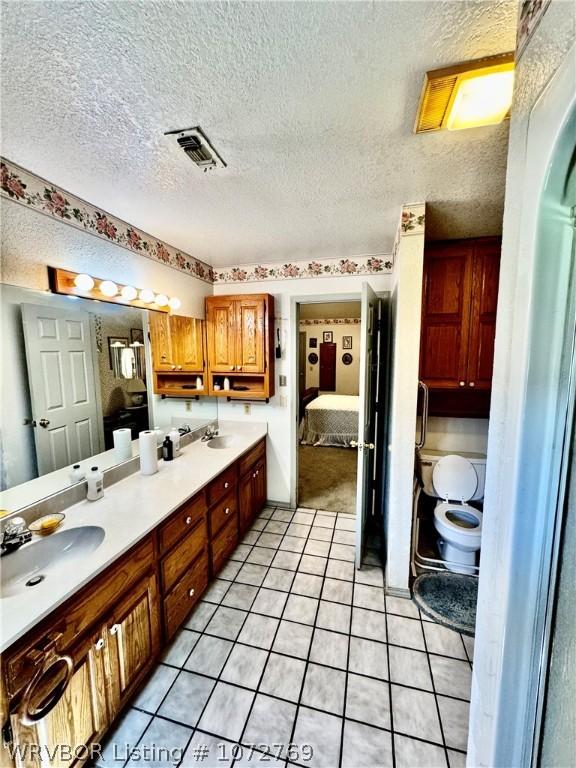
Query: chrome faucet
point(211, 432)
point(14, 536)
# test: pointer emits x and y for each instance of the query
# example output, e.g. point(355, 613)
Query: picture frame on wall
point(136, 336)
point(346, 342)
point(327, 337)
point(313, 343)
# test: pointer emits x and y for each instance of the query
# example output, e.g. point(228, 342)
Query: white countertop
point(129, 510)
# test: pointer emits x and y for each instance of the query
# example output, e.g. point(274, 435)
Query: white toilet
point(456, 479)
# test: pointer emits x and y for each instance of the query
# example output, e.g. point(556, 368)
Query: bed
point(330, 420)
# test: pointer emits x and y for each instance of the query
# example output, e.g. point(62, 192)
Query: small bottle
point(95, 481)
point(174, 435)
point(226, 383)
point(77, 474)
point(199, 383)
point(167, 449)
point(159, 435)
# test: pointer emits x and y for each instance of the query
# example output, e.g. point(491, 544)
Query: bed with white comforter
point(330, 420)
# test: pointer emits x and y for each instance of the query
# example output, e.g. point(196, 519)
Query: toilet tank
point(426, 460)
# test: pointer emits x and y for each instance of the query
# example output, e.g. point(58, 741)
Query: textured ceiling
point(311, 105)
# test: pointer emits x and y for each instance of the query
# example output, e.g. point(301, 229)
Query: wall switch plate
point(282, 381)
point(247, 409)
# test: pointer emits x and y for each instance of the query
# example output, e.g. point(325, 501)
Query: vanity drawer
point(250, 458)
point(221, 485)
point(174, 564)
point(224, 544)
point(223, 511)
point(182, 521)
point(185, 594)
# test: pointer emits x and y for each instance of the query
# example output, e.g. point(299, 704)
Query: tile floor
point(291, 645)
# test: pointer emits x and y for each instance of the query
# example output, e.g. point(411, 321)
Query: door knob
point(44, 423)
point(369, 446)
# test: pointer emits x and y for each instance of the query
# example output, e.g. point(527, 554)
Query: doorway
point(329, 377)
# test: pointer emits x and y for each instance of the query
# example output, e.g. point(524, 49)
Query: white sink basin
point(38, 561)
point(223, 441)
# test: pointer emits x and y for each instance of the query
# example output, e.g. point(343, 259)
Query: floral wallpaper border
point(333, 321)
point(24, 187)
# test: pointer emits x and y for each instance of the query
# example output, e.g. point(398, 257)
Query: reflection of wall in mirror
point(115, 391)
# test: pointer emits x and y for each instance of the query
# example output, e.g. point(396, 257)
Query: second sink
point(223, 441)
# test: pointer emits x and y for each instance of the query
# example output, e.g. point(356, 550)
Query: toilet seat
point(461, 518)
point(455, 478)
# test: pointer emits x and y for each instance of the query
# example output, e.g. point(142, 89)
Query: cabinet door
point(250, 335)
point(485, 278)
point(187, 343)
point(220, 319)
point(78, 718)
point(259, 481)
point(446, 315)
point(246, 500)
point(161, 342)
point(133, 638)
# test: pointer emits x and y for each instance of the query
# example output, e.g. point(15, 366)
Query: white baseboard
point(398, 592)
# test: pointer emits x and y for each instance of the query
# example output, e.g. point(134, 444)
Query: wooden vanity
point(68, 678)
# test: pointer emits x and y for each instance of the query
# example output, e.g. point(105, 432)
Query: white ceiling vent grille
point(197, 146)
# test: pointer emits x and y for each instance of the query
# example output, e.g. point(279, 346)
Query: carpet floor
point(327, 478)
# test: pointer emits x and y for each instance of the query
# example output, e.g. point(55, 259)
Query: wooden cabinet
point(132, 640)
point(178, 356)
point(239, 331)
point(70, 677)
point(63, 706)
point(458, 324)
point(252, 486)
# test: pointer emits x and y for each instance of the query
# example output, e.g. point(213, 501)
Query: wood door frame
point(295, 302)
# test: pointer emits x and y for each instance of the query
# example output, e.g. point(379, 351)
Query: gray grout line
point(299, 704)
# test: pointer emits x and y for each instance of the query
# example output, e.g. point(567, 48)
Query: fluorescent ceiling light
point(467, 95)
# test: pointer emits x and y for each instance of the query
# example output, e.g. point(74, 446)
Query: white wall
point(491, 712)
point(347, 376)
point(406, 302)
point(455, 434)
point(281, 412)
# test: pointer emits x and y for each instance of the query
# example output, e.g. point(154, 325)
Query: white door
point(366, 414)
point(62, 386)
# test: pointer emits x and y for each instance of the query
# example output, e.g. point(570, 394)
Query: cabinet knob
point(226, 484)
point(462, 383)
point(257, 471)
point(231, 367)
point(227, 511)
point(179, 367)
point(188, 520)
point(239, 367)
point(99, 644)
point(191, 593)
point(173, 367)
point(254, 474)
point(114, 629)
point(472, 384)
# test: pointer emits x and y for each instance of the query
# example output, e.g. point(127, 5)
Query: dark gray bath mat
point(448, 598)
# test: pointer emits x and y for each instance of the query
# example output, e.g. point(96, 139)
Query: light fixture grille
point(197, 146)
point(435, 100)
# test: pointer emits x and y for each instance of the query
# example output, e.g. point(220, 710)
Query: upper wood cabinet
point(459, 303)
point(178, 356)
point(239, 331)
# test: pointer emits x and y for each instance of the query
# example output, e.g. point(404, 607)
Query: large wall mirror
point(73, 372)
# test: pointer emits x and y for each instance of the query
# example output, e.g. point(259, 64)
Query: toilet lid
point(455, 478)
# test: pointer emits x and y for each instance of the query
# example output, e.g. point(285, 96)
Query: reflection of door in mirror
point(62, 387)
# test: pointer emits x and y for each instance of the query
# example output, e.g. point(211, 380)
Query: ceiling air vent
point(197, 146)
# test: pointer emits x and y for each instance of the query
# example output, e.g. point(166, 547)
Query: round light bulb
point(174, 303)
point(84, 282)
point(108, 288)
point(129, 293)
point(146, 296)
point(161, 300)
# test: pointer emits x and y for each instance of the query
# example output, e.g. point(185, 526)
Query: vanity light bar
point(79, 284)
